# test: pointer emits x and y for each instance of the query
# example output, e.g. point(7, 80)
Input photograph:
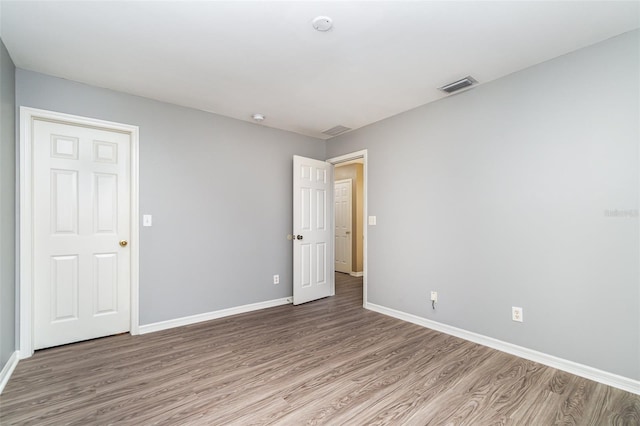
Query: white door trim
point(25, 296)
point(365, 212)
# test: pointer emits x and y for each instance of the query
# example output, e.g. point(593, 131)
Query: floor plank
point(325, 362)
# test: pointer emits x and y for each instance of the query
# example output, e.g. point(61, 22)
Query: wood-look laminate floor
point(325, 362)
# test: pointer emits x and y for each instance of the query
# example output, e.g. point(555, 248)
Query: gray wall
point(219, 191)
point(7, 206)
point(496, 197)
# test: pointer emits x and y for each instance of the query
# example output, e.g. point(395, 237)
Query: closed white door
point(312, 228)
point(81, 227)
point(343, 217)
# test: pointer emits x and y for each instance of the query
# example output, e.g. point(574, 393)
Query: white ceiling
point(237, 58)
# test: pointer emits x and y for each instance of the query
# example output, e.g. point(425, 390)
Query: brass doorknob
point(124, 243)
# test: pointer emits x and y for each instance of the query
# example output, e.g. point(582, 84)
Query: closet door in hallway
point(343, 224)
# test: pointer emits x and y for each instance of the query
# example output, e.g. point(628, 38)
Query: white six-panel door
point(312, 225)
point(81, 205)
point(343, 225)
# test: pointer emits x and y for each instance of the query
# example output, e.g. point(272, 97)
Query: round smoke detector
point(322, 23)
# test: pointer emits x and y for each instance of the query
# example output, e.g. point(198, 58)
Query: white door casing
point(78, 201)
point(313, 253)
point(343, 225)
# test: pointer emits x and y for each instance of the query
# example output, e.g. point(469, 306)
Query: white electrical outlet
point(434, 296)
point(516, 314)
point(276, 279)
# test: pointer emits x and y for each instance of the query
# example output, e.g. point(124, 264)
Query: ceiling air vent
point(335, 131)
point(459, 85)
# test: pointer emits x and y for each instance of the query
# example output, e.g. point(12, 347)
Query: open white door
point(312, 225)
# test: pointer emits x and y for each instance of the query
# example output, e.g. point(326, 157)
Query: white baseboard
point(357, 274)
point(6, 372)
point(193, 319)
point(581, 370)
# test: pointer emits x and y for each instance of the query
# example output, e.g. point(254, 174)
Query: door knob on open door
point(299, 237)
point(124, 243)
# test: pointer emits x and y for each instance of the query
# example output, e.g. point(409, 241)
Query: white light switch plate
point(372, 220)
point(517, 314)
point(146, 220)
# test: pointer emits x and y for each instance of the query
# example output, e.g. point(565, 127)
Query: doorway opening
point(345, 223)
point(351, 248)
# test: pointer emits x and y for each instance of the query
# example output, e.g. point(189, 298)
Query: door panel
point(81, 211)
point(64, 201)
point(321, 261)
point(105, 281)
point(64, 285)
point(312, 222)
point(321, 210)
point(105, 198)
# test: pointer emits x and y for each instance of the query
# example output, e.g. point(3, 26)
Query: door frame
point(25, 249)
point(362, 154)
